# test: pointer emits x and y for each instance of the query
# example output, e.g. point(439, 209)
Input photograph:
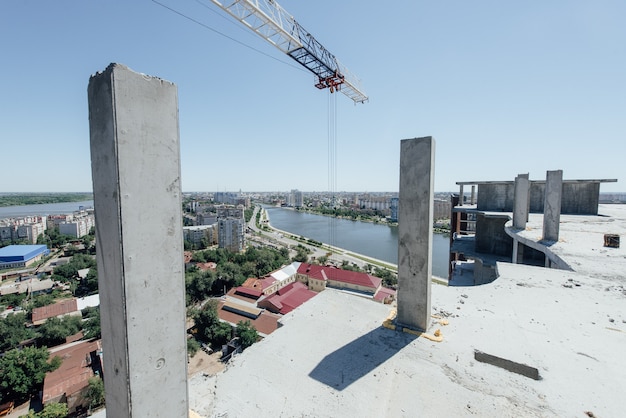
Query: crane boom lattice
point(271, 22)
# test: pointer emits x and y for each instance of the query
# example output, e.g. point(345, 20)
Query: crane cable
point(191, 19)
point(332, 165)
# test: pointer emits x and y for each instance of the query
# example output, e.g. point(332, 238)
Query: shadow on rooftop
point(358, 358)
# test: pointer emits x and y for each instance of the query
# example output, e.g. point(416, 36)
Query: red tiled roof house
point(62, 308)
point(319, 277)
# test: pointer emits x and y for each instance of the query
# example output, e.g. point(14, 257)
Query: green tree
point(247, 213)
point(42, 300)
point(199, 285)
point(91, 323)
point(52, 410)
point(83, 261)
point(199, 257)
point(13, 299)
point(390, 279)
point(229, 274)
point(55, 330)
point(95, 392)
point(67, 271)
point(302, 254)
point(22, 372)
point(192, 346)
point(210, 329)
point(54, 238)
point(88, 285)
point(88, 240)
point(247, 334)
point(13, 331)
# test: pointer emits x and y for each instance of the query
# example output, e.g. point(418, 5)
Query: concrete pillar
point(135, 162)
point(521, 201)
point(552, 205)
point(415, 238)
point(518, 252)
point(461, 196)
point(473, 195)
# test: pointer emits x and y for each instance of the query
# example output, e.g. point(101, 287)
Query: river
point(373, 240)
point(43, 209)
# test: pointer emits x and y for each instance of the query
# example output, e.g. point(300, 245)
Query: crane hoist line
point(271, 22)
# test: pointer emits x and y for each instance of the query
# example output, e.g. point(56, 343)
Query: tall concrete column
point(473, 195)
point(461, 195)
point(415, 238)
point(135, 162)
point(521, 199)
point(552, 205)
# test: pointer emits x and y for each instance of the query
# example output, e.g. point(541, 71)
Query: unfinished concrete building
point(333, 356)
point(488, 227)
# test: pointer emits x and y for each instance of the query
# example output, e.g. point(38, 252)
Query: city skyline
point(503, 89)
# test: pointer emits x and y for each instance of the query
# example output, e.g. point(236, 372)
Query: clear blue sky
point(504, 88)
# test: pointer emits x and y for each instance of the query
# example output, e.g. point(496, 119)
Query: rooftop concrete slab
point(333, 358)
point(581, 241)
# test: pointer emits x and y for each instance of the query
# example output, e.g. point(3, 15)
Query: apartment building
point(79, 226)
point(26, 228)
point(196, 234)
point(231, 233)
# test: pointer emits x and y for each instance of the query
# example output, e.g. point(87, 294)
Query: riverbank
point(26, 199)
point(374, 241)
point(334, 250)
point(440, 227)
point(43, 209)
point(339, 254)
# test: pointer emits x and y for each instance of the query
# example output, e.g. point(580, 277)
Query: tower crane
point(271, 22)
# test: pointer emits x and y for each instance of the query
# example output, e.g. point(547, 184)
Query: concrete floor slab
point(333, 358)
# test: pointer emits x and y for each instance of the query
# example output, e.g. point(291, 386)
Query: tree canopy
point(210, 329)
point(52, 410)
point(19, 199)
point(247, 334)
point(55, 330)
point(13, 331)
point(69, 272)
point(91, 323)
point(22, 372)
point(95, 392)
point(232, 270)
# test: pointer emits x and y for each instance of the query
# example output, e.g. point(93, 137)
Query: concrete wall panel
point(497, 197)
point(491, 237)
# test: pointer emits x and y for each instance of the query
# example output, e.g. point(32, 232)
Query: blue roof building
point(13, 256)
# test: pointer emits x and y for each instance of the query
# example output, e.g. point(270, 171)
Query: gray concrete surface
point(135, 162)
point(333, 358)
point(415, 222)
point(552, 205)
point(522, 201)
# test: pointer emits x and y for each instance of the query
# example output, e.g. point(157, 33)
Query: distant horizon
point(265, 191)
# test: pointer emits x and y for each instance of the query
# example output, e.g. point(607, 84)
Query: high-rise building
point(393, 207)
point(297, 199)
point(231, 234)
point(231, 227)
